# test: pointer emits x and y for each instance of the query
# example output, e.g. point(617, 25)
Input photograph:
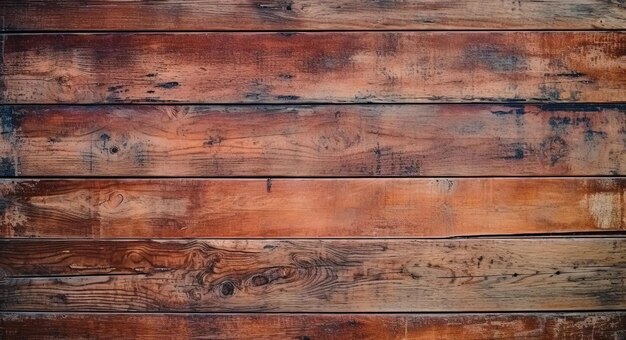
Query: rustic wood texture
point(314, 276)
point(321, 140)
point(314, 67)
point(597, 326)
point(310, 15)
point(309, 207)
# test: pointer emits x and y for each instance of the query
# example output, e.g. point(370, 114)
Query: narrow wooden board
point(309, 207)
point(314, 67)
point(314, 275)
point(540, 326)
point(320, 140)
point(309, 15)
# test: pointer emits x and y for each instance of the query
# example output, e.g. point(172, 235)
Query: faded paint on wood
point(598, 326)
point(310, 15)
point(315, 275)
point(309, 207)
point(320, 140)
point(314, 67)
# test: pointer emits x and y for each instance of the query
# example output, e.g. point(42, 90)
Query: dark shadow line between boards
point(609, 234)
point(295, 31)
point(564, 104)
point(296, 313)
point(297, 177)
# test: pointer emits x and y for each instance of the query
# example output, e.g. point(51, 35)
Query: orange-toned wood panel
point(314, 67)
point(319, 140)
point(599, 326)
point(314, 275)
point(309, 207)
point(309, 15)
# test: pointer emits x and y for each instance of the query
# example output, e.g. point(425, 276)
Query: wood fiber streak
point(310, 15)
point(597, 326)
point(321, 140)
point(318, 67)
point(309, 207)
point(314, 276)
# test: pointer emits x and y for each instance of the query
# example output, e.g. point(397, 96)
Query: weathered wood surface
point(309, 207)
point(321, 140)
point(315, 275)
point(597, 326)
point(310, 15)
point(314, 67)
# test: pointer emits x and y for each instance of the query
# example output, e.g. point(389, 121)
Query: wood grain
point(309, 207)
point(540, 326)
point(309, 15)
point(319, 140)
point(314, 67)
point(314, 276)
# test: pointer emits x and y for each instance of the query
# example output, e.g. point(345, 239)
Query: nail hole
point(114, 149)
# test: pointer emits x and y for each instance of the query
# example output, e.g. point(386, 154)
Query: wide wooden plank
point(309, 207)
point(314, 67)
point(545, 326)
point(314, 275)
point(320, 140)
point(309, 15)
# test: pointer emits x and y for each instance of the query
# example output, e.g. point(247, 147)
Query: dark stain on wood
point(168, 85)
point(7, 167)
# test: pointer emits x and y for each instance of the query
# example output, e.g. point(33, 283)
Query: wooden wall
point(310, 169)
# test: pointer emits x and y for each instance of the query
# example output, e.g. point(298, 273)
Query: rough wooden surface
point(314, 67)
point(309, 207)
point(597, 326)
point(310, 15)
point(320, 140)
point(314, 275)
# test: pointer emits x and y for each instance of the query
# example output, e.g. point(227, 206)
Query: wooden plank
point(314, 275)
point(545, 326)
point(309, 207)
point(309, 15)
point(314, 67)
point(321, 140)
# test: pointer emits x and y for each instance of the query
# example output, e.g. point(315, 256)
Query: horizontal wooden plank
point(309, 207)
point(320, 140)
point(315, 275)
point(545, 326)
point(309, 15)
point(314, 67)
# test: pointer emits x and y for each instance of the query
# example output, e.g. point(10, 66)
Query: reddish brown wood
point(321, 140)
point(309, 207)
point(314, 67)
point(545, 326)
point(309, 15)
point(315, 275)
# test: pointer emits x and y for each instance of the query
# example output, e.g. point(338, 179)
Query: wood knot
point(227, 288)
point(113, 201)
point(259, 280)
